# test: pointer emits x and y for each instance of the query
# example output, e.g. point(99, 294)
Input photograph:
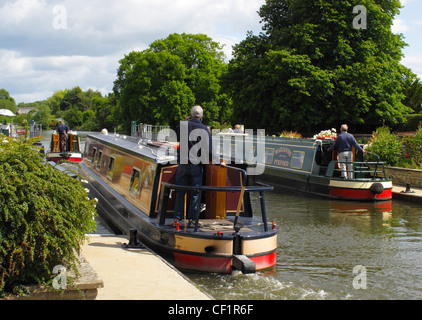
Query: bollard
point(408, 188)
point(133, 240)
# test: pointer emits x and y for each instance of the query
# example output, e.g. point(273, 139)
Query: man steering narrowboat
point(195, 150)
point(344, 144)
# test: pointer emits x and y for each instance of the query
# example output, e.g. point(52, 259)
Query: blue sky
point(409, 23)
point(50, 45)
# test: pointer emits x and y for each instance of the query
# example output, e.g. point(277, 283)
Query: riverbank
point(136, 274)
point(414, 196)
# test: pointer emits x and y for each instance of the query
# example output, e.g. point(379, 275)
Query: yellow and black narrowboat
point(72, 151)
point(134, 182)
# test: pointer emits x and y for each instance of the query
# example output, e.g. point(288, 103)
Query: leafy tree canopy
point(6, 101)
point(163, 82)
point(311, 67)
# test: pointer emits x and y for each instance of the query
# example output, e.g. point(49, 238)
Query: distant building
point(25, 110)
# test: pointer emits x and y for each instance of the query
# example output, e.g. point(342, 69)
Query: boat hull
point(332, 188)
point(60, 156)
point(220, 264)
point(306, 166)
point(206, 250)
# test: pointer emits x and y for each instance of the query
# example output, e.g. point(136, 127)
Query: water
point(321, 242)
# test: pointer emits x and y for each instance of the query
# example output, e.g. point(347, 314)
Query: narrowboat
point(72, 151)
point(306, 166)
point(134, 181)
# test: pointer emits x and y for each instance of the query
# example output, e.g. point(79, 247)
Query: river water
point(333, 250)
point(329, 250)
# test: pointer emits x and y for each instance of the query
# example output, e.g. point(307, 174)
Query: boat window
point(100, 156)
point(297, 160)
point(134, 182)
point(269, 155)
point(110, 170)
point(94, 153)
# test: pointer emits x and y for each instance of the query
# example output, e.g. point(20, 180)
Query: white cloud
point(414, 61)
point(400, 26)
point(38, 58)
point(41, 76)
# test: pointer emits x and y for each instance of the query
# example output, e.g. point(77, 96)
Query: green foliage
point(44, 216)
point(6, 101)
point(386, 145)
point(312, 68)
point(413, 146)
point(161, 84)
point(414, 96)
point(73, 117)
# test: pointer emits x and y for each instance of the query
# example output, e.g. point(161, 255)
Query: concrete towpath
point(414, 196)
point(136, 274)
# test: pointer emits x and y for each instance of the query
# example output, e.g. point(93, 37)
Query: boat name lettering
point(282, 157)
point(283, 150)
point(283, 163)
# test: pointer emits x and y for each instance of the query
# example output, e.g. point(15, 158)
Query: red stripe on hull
point(201, 263)
point(61, 159)
point(219, 264)
point(264, 262)
point(360, 194)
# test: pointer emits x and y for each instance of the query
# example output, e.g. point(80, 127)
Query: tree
point(73, 117)
point(43, 115)
point(72, 98)
point(6, 101)
point(151, 88)
point(414, 96)
point(163, 82)
point(312, 68)
point(55, 100)
point(104, 108)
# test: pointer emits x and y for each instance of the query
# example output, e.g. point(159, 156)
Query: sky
point(51, 45)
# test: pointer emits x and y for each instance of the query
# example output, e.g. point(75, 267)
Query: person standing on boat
point(62, 130)
point(237, 129)
point(344, 144)
point(195, 150)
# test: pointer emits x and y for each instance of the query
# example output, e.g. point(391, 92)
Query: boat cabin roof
point(158, 151)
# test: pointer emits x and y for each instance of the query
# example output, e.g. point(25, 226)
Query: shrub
point(44, 216)
point(413, 145)
point(386, 145)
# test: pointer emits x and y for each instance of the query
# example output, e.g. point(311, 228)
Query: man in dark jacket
point(344, 144)
point(195, 150)
point(62, 130)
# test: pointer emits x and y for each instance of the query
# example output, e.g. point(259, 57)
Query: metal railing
point(150, 132)
point(261, 188)
point(360, 168)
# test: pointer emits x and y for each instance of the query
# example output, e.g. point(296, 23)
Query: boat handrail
point(260, 187)
point(365, 165)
